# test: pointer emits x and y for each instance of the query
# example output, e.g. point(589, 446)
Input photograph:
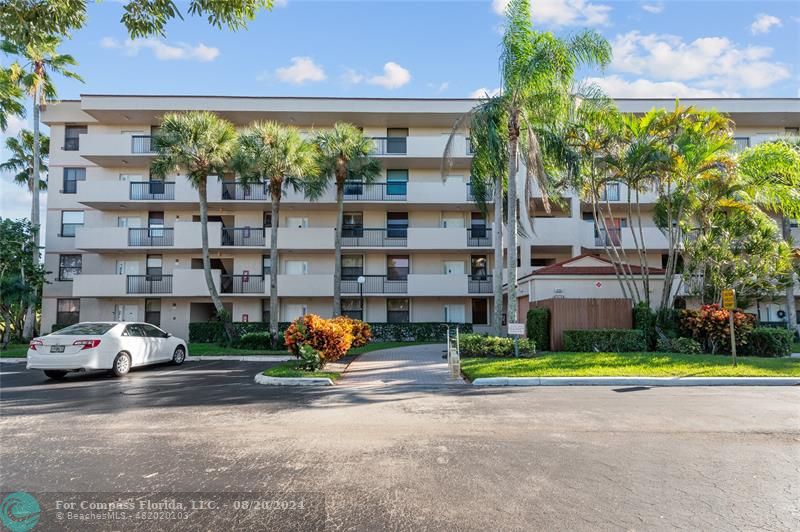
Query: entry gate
point(453, 353)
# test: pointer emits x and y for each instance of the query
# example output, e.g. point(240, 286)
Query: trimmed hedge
point(644, 319)
point(769, 342)
point(686, 346)
point(212, 332)
point(480, 345)
point(538, 327)
point(612, 340)
point(255, 340)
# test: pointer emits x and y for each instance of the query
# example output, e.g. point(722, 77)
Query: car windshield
point(86, 328)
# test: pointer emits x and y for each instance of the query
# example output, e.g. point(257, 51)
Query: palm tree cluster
point(200, 145)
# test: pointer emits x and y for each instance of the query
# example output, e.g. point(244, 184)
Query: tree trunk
point(791, 307)
point(273, 269)
point(513, 127)
point(212, 289)
point(30, 310)
point(497, 229)
point(337, 243)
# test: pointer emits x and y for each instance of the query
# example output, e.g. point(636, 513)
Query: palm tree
point(275, 154)
point(10, 95)
point(537, 87)
point(199, 144)
point(21, 161)
point(344, 154)
point(32, 75)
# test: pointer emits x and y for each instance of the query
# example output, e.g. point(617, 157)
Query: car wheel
point(179, 355)
point(122, 365)
point(55, 374)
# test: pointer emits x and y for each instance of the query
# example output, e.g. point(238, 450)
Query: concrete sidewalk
point(418, 364)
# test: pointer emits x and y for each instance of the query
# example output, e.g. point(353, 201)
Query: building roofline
point(427, 99)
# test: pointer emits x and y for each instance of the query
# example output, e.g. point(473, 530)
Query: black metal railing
point(610, 237)
point(242, 236)
point(151, 236)
point(488, 194)
point(390, 145)
point(149, 284)
point(352, 272)
point(142, 144)
point(480, 284)
point(358, 191)
point(152, 190)
point(375, 284)
point(242, 284)
point(357, 237)
point(479, 236)
point(234, 190)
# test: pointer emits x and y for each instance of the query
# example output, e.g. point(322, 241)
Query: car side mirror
point(167, 335)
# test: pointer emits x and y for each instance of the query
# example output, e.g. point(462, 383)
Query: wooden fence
point(570, 314)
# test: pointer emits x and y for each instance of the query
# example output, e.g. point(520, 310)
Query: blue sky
point(402, 48)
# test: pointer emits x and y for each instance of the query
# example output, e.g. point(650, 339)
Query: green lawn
point(629, 365)
point(15, 351)
point(289, 369)
point(216, 349)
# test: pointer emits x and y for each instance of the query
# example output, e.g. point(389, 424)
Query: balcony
point(361, 237)
point(479, 237)
point(358, 191)
point(486, 192)
point(417, 151)
point(243, 236)
point(593, 237)
point(115, 194)
point(389, 145)
point(375, 284)
point(437, 284)
point(237, 191)
point(142, 144)
point(151, 237)
point(242, 284)
point(308, 285)
point(116, 149)
point(480, 284)
point(149, 284)
point(152, 190)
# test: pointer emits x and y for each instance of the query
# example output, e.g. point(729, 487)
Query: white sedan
point(113, 346)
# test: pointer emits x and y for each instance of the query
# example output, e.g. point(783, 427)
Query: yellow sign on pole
point(729, 299)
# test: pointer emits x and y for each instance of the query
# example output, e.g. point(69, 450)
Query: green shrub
point(480, 345)
point(769, 342)
point(538, 327)
point(309, 359)
point(419, 332)
point(254, 340)
point(711, 327)
point(686, 346)
point(644, 319)
point(613, 340)
point(212, 331)
point(668, 321)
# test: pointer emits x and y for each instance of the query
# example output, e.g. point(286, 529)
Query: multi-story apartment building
point(120, 245)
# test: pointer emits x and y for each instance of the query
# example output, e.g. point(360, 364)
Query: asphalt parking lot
point(413, 457)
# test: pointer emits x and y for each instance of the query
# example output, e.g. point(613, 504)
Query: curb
point(637, 381)
point(13, 360)
point(243, 358)
point(292, 381)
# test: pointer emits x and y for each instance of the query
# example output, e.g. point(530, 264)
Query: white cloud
point(440, 87)
point(713, 63)
point(655, 8)
point(351, 77)
point(617, 87)
point(563, 12)
point(302, 70)
point(764, 23)
point(483, 92)
point(162, 50)
point(394, 76)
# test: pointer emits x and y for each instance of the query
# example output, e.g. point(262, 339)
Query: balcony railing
point(488, 194)
point(389, 146)
point(358, 191)
point(234, 190)
point(150, 236)
point(610, 237)
point(152, 190)
point(479, 237)
point(375, 284)
point(242, 284)
point(358, 237)
point(142, 144)
point(149, 284)
point(242, 236)
point(480, 284)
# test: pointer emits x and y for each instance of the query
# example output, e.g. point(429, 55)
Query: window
point(299, 222)
point(296, 267)
point(397, 224)
point(353, 224)
point(128, 221)
point(610, 192)
point(478, 268)
point(396, 182)
point(351, 308)
point(81, 329)
point(72, 138)
point(267, 222)
point(352, 266)
point(70, 220)
point(265, 310)
point(154, 267)
point(480, 313)
point(397, 310)
point(152, 311)
point(396, 140)
point(152, 332)
point(397, 267)
point(68, 311)
point(740, 143)
point(538, 262)
point(134, 330)
point(477, 225)
point(71, 178)
point(68, 267)
point(266, 265)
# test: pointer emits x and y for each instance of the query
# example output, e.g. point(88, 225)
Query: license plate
point(56, 348)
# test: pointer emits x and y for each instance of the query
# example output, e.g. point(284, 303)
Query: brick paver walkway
point(418, 364)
